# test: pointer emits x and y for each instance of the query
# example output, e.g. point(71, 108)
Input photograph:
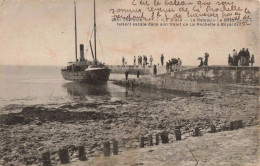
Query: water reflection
point(84, 89)
point(109, 90)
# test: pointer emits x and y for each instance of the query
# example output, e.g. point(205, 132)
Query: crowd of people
point(173, 64)
point(241, 58)
point(143, 60)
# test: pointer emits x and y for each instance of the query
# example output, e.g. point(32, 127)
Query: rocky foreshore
point(27, 134)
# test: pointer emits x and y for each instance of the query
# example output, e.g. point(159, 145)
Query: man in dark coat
point(170, 65)
point(247, 57)
point(167, 67)
point(230, 60)
point(123, 61)
point(252, 61)
point(154, 70)
point(238, 58)
point(162, 59)
point(138, 73)
point(206, 59)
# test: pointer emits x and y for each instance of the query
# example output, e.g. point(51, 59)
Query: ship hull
point(95, 75)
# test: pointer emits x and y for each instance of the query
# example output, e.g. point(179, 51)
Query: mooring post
point(150, 140)
point(240, 124)
point(106, 148)
point(232, 126)
point(115, 147)
point(132, 85)
point(164, 137)
point(177, 134)
point(236, 125)
point(141, 142)
point(82, 153)
point(46, 160)
point(64, 155)
point(157, 139)
point(196, 132)
point(213, 129)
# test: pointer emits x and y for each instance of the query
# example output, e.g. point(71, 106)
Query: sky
point(41, 32)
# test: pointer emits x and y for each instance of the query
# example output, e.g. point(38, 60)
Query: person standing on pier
point(241, 55)
point(162, 59)
point(252, 61)
point(123, 61)
point(230, 60)
point(206, 59)
point(134, 60)
point(138, 73)
point(167, 67)
point(179, 63)
point(247, 57)
point(145, 60)
point(126, 75)
point(201, 62)
point(151, 60)
point(154, 70)
point(235, 58)
point(170, 66)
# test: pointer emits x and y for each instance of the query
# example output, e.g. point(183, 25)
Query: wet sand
point(90, 124)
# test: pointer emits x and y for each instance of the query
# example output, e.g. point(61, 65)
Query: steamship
point(83, 70)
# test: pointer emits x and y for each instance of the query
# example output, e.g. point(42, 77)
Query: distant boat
point(83, 70)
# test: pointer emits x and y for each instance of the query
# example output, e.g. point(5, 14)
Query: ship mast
point(75, 31)
point(95, 29)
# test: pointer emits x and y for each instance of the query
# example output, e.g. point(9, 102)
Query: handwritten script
point(181, 13)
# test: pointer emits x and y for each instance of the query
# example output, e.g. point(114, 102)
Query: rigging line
point(89, 39)
point(100, 45)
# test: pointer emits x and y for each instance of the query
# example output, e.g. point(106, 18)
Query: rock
point(6, 159)
point(29, 160)
point(40, 148)
point(12, 119)
point(107, 127)
point(196, 94)
point(108, 121)
point(73, 160)
point(2, 162)
point(38, 123)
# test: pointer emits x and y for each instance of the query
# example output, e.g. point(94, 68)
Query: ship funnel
point(81, 46)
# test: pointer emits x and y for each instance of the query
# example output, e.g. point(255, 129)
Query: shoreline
point(125, 120)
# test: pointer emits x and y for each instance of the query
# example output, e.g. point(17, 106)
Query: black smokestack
point(81, 46)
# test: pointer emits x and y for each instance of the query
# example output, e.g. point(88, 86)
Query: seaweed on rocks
point(42, 115)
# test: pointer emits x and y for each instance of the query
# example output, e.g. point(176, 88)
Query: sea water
point(22, 86)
